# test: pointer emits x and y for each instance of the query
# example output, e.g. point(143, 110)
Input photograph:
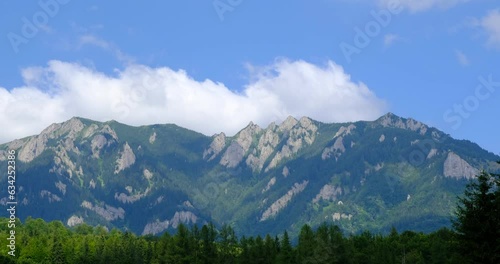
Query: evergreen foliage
point(42, 242)
point(478, 219)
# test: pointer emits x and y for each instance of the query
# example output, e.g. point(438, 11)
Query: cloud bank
point(141, 95)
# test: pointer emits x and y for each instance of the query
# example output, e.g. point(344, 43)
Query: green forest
point(475, 238)
point(41, 242)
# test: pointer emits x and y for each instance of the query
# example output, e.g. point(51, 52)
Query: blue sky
point(216, 65)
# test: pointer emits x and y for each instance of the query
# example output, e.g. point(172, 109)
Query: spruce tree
point(477, 220)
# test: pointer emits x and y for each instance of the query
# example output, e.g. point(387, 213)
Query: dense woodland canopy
point(41, 242)
point(475, 239)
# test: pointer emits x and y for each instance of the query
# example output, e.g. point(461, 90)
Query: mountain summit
point(360, 175)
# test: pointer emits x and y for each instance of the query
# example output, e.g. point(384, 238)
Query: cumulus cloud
point(423, 5)
point(141, 95)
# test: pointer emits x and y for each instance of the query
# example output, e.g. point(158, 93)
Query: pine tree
point(270, 250)
point(209, 251)
point(477, 222)
point(227, 241)
point(286, 255)
point(306, 246)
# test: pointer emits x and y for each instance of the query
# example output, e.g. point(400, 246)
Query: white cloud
point(462, 58)
point(140, 95)
point(389, 39)
point(423, 5)
point(491, 24)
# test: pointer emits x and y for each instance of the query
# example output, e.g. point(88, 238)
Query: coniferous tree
point(306, 246)
point(270, 250)
point(286, 254)
point(245, 256)
point(208, 248)
point(477, 222)
point(228, 243)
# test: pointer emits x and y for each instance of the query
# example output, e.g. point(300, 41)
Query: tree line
point(475, 238)
point(42, 242)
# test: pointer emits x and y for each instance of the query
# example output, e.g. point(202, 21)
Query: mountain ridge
point(360, 175)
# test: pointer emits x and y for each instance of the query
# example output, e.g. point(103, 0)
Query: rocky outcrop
point(184, 217)
point(126, 159)
point(270, 184)
point(188, 204)
point(338, 148)
point(33, 148)
point(328, 193)
point(37, 144)
point(338, 216)
point(108, 212)
point(158, 226)
point(233, 155)
point(456, 167)
point(64, 164)
point(432, 153)
point(50, 196)
point(90, 130)
point(288, 124)
point(97, 143)
point(265, 148)
point(344, 131)
point(217, 145)
point(18, 143)
point(61, 186)
point(302, 134)
point(106, 129)
point(285, 172)
point(282, 202)
point(391, 120)
point(74, 220)
point(147, 174)
point(240, 146)
point(104, 137)
point(257, 145)
point(152, 138)
point(129, 199)
point(92, 184)
point(155, 227)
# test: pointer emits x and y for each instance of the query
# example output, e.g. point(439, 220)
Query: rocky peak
point(37, 144)
point(272, 126)
point(240, 146)
point(301, 134)
point(344, 131)
point(69, 128)
point(217, 145)
point(288, 124)
point(392, 120)
point(250, 129)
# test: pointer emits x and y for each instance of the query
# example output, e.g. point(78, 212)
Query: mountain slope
point(363, 175)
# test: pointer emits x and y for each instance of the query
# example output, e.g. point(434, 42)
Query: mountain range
point(366, 175)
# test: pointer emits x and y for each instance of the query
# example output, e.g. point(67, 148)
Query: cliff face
point(363, 175)
point(456, 167)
